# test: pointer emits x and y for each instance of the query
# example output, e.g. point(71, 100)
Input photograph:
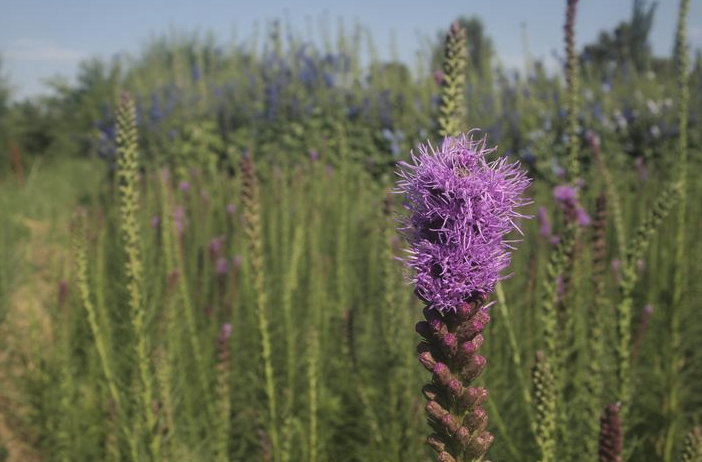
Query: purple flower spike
point(184, 186)
point(582, 217)
point(461, 208)
point(231, 208)
point(564, 194)
point(155, 221)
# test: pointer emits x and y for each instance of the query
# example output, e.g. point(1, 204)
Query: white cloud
point(27, 49)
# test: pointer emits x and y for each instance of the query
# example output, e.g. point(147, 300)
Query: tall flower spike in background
point(461, 207)
point(682, 61)
point(128, 171)
point(252, 227)
point(453, 82)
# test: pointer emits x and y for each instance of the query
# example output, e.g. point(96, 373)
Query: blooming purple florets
point(564, 194)
point(566, 197)
point(461, 207)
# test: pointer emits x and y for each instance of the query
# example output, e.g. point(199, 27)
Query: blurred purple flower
point(221, 266)
point(179, 219)
point(184, 186)
point(582, 217)
point(155, 221)
point(231, 208)
point(225, 331)
point(564, 194)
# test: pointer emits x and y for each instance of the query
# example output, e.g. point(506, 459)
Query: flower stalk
point(127, 171)
point(252, 228)
point(453, 81)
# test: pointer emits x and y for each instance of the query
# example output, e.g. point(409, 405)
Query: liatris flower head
point(461, 208)
point(564, 194)
point(231, 208)
point(155, 221)
point(582, 217)
point(184, 186)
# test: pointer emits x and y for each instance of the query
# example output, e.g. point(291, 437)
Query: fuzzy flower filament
point(461, 208)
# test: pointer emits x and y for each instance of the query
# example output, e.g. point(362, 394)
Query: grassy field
point(172, 301)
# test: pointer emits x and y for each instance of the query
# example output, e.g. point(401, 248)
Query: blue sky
point(43, 38)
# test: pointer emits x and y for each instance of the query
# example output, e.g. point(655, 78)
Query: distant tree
point(32, 127)
point(84, 104)
point(392, 72)
point(628, 42)
point(479, 45)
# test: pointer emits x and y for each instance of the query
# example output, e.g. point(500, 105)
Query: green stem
point(682, 61)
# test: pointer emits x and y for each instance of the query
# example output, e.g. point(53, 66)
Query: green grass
point(321, 312)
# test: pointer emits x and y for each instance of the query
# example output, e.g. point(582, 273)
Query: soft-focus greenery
point(325, 129)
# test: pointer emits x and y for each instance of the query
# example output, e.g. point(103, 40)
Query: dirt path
point(27, 331)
